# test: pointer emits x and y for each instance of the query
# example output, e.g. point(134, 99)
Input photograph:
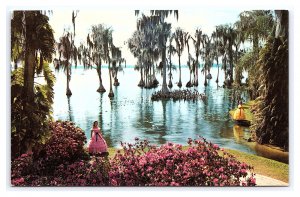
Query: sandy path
point(267, 181)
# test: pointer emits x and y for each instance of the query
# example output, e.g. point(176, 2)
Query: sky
point(123, 23)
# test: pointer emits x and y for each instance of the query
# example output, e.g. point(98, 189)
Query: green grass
point(263, 166)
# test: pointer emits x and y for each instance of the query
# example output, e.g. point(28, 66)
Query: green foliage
point(271, 112)
point(30, 121)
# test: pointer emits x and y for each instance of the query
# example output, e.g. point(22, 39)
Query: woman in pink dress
point(97, 143)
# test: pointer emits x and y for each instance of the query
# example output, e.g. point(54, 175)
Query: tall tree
point(109, 52)
point(135, 45)
point(216, 50)
point(179, 40)
point(272, 108)
point(197, 45)
point(68, 54)
point(187, 37)
point(31, 102)
point(35, 36)
point(255, 25)
point(117, 61)
point(206, 55)
point(171, 51)
point(158, 18)
point(93, 54)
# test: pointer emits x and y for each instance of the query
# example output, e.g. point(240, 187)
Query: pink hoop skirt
point(97, 143)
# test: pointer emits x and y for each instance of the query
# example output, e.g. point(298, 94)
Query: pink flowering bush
point(20, 167)
point(66, 145)
point(141, 164)
point(83, 173)
point(169, 165)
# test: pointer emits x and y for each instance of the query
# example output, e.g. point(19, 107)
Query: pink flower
point(243, 171)
point(215, 146)
point(143, 162)
point(174, 183)
point(113, 182)
point(252, 180)
point(149, 169)
point(215, 181)
point(24, 155)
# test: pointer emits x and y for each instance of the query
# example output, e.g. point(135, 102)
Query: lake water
point(131, 113)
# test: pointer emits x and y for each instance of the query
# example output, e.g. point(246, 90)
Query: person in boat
point(239, 113)
point(97, 144)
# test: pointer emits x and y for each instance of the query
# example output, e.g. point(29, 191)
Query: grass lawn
point(263, 166)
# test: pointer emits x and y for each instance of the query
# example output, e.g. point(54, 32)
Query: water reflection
point(131, 113)
point(238, 133)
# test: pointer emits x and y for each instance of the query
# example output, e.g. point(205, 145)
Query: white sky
point(123, 23)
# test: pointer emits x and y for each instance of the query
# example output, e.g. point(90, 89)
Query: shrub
point(169, 165)
point(20, 167)
point(141, 164)
point(83, 173)
point(66, 145)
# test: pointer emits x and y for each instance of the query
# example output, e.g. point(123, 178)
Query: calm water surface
point(131, 113)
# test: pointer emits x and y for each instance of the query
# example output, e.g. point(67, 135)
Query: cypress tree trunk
point(111, 93)
point(68, 92)
point(101, 87)
point(164, 85)
point(196, 71)
point(179, 83)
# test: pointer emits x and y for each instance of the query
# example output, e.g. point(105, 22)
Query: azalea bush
point(140, 164)
point(201, 164)
point(21, 167)
point(83, 173)
point(66, 145)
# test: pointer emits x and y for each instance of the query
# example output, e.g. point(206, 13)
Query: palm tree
point(33, 32)
point(197, 43)
point(179, 40)
point(33, 44)
point(255, 25)
point(271, 122)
